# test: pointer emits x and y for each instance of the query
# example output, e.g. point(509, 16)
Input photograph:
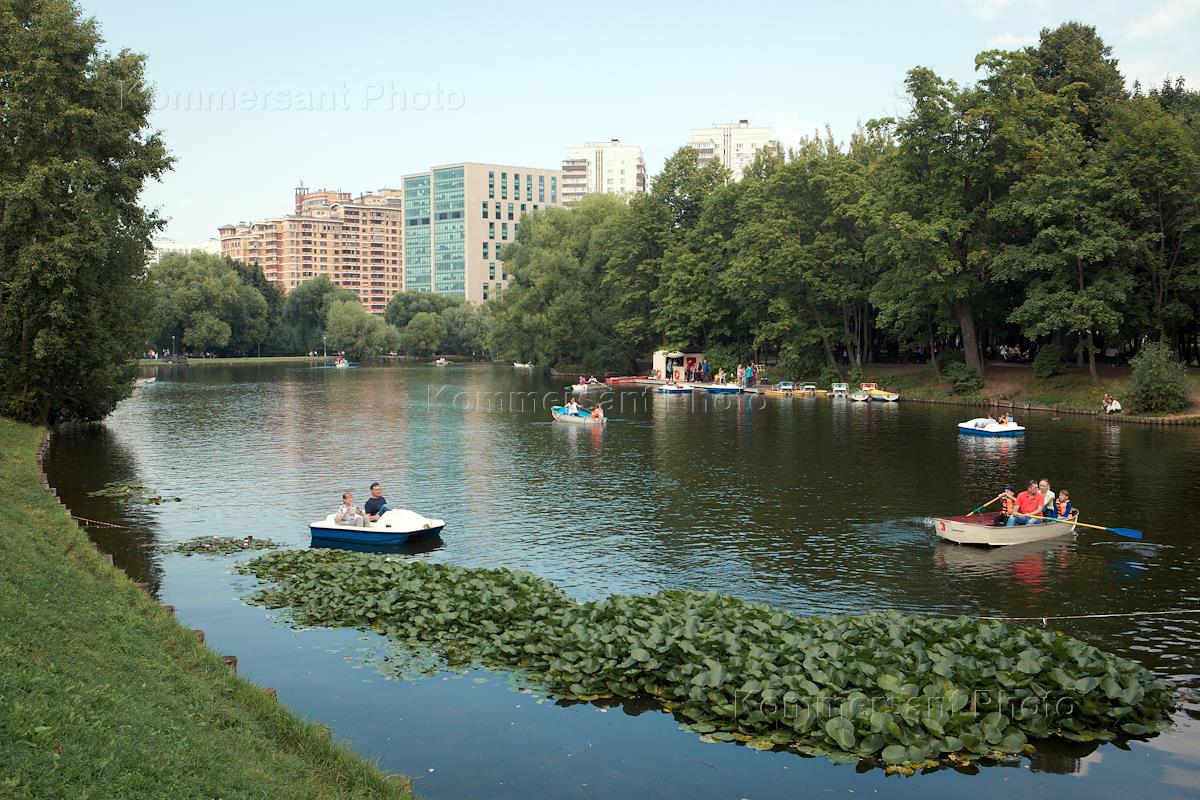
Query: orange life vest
point(1061, 507)
point(1010, 505)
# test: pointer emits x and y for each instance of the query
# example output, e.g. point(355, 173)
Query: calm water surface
point(814, 506)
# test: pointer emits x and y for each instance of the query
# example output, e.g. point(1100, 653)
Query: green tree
point(1074, 266)
point(203, 305)
point(349, 328)
point(424, 334)
point(466, 329)
point(305, 310)
point(406, 305)
point(1072, 62)
point(75, 152)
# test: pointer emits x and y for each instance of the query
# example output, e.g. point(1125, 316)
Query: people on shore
point(348, 513)
point(376, 505)
point(1110, 404)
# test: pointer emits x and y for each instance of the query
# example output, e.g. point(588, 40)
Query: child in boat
point(1062, 506)
point(572, 406)
point(348, 513)
point(1008, 505)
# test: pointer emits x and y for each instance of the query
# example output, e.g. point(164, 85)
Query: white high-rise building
point(734, 144)
point(603, 168)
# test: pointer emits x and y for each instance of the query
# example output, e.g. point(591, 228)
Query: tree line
point(205, 303)
point(1042, 204)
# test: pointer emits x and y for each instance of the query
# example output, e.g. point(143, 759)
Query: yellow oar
point(1128, 533)
point(985, 505)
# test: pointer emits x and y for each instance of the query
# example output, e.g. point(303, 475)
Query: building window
point(485, 209)
point(491, 272)
point(497, 211)
point(491, 230)
point(485, 249)
point(510, 210)
point(528, 187)
point(553, 189)
point(491, 184)
point(541, 189)
point(522, 208)
point(485, 291)
point(504, 185)
point(504, 231)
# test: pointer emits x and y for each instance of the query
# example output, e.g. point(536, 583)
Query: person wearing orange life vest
point(1008, 505)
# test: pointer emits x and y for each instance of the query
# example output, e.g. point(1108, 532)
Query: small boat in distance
point(841, 390)
point(526, 365)
point(675, 388)
point(873, 392)
point(781, 389)
point(394, 527)
point(723, 388)
point(982, 529)
point(441, 362)
point(580, 417)
point(983, 426)
point(143, 382)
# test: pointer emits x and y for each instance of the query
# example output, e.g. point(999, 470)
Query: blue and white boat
point(579, 417)
point(984, 426)
point(675, 388)
point(723, 388)
point(394, 527)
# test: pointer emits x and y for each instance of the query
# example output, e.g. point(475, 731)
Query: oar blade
point(1128, 533)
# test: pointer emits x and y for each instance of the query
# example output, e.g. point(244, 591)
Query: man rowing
point(1029, 504)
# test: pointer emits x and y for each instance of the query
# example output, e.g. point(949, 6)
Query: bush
point(1160, 384)
point(947, 357)
point(963, 379)
point(1051, 360)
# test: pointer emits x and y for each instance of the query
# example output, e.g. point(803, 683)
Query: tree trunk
point(1091, 352)
point(966, 325)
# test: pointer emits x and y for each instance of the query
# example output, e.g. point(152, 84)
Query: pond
point(812, 505)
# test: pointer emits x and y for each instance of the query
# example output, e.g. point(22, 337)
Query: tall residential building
point(357, 241)
point(734, 144)
point(457, 217)
point(603, 168)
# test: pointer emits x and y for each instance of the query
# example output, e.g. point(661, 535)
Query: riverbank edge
point(1015, 405)
point(238, 736)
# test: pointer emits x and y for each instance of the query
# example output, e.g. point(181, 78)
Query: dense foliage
point(75, 152)
point(885, 686)
point(1159, 384)
point(1042, 204)
point(1051, 360)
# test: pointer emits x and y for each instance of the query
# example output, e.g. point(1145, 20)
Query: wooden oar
point(1128, 533)
point(985, 505)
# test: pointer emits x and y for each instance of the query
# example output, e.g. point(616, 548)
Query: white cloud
point(1011, 41)
point(990, 9)
point(1162, 18)
point(790, 128)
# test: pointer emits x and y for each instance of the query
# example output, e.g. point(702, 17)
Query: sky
point(255, 97)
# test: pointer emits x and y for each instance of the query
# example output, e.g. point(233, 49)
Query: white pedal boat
point(394, 527)
point(982, 426)
point(675, 388)
point(982, 529)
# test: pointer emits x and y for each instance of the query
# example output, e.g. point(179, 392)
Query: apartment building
point(603, 168)
point(734, 144)
point(356, 241)
point(457, 217)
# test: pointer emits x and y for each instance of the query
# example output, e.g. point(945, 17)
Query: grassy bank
point(1073, 390)
point(103, 694)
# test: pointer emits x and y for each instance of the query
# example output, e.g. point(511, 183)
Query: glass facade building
point(417, 242)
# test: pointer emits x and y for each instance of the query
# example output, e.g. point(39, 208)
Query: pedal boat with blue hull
point(393, 527)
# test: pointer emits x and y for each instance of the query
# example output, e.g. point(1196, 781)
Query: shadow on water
point(84, 459)
point(417, 546)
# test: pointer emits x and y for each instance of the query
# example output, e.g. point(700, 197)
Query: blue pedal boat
point(982, 426)
point(394, 527)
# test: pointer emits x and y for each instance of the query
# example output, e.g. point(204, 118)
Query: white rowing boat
point(982, 529)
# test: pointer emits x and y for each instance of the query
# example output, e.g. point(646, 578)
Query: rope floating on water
point(1170, 612)
point(95, 523)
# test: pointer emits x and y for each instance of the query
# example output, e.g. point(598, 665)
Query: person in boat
point(1062, 506)
point(348, 513)
point(1008, 505)
point(1029, 504)
point(582, 381)
point(572, 407)
point(592, 380)
point(597, 412)
point(376, 505)
point(1048, 497)
point(1003, 420)
point(983, 423)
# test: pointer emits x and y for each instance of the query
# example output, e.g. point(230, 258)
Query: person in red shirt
point(1028, 502)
